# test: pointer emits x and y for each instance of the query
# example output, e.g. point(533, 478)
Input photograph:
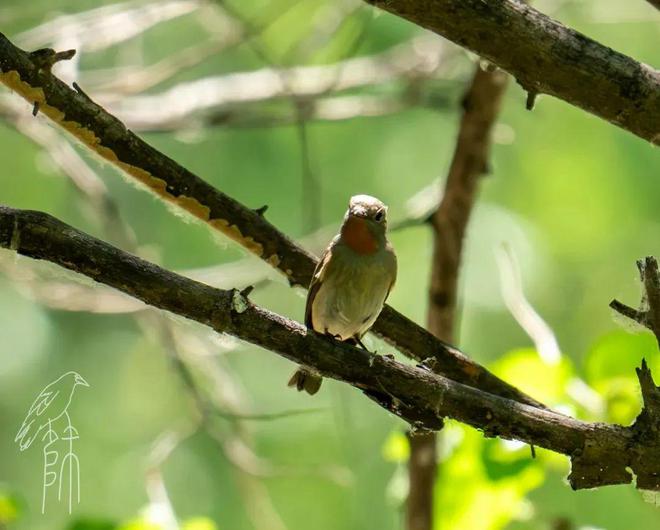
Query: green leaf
point(140, 523)
point(610, 370)
point(618, 353)
point(524, 369)
point(199, 523)
point(396, 447)
point(501, 462)
point(9, 509)
point(464, 482)
point(92, 524)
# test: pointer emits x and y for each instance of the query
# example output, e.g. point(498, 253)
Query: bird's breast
point(352, 294)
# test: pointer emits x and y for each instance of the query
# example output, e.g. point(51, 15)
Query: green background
point(575, 198)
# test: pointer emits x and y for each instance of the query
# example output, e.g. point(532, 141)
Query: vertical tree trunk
point(481, 104)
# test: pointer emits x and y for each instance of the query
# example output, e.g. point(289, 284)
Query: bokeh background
point(573, 198)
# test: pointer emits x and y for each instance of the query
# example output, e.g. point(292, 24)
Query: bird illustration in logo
point(48, 420)
point(50, 405)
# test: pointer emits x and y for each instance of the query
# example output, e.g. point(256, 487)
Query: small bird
point(351, 281)
point(50, 405)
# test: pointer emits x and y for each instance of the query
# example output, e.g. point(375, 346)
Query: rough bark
point(481, 104)
point(422, 468)
point(600, 453)
point(104, 134)
point(546, 57)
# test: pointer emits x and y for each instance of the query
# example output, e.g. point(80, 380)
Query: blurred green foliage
point(9, 507)
point(574, 197)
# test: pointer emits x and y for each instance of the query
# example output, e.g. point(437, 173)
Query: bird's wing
point(29, 431)
point(315, 284)
point(393, 269)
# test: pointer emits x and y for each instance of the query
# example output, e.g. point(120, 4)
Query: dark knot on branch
point(45, 58)
point(649, 313)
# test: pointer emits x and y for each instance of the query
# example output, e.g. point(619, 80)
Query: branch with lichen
point(600, 454)
point(109, 138)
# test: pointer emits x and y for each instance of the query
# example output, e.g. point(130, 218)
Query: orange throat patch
point(358, 237)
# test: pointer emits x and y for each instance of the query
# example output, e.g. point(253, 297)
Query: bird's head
point(77, 379)
point(365, 224)
point(368, 208)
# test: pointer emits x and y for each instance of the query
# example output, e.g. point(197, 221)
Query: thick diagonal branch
point(109, 138)
point(599, 452)
point(546, 57)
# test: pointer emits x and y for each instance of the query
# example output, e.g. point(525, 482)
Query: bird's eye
point(379, 215)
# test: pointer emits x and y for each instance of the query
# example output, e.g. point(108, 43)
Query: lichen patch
point(239, 303)
point(193, 206)
point(274, 260)
point(13, 81)
point(157, 185)
point(233, 232)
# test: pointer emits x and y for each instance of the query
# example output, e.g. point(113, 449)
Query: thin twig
point(421, 58)
point(102, 27)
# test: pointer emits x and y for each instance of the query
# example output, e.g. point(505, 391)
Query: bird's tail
point(304, 379)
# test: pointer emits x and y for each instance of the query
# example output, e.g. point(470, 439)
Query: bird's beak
point(81, 381)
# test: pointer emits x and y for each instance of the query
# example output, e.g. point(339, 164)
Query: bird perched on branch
point(351, 281)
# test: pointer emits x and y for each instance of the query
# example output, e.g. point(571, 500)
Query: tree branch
point(109, 138)
point(421, 58)
point(546, 57)
point(481, 104)
point(599, 452)
point(327, 108)
point(649, 314)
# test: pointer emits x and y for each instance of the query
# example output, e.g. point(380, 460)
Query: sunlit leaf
point(140, 523)
point(524, 369)
point(9, 510)
point(618, 353)
point(199, 523)
point(464, 483)
point(610, 370)
point(396, 447)
point(502, 461)
point(622, 399)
